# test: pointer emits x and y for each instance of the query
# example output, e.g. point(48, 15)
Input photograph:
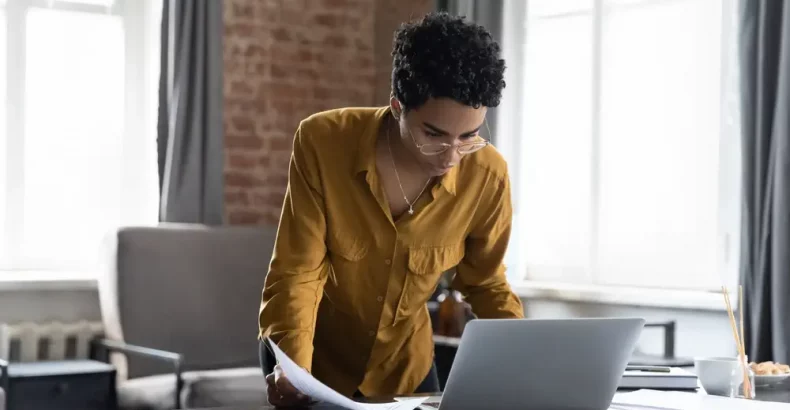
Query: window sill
point(616, 295)
point(45, 280)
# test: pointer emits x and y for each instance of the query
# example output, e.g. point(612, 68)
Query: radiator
point(36, 341)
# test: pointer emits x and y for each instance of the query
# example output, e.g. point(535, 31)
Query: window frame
point(588, 287)
point(136, 16)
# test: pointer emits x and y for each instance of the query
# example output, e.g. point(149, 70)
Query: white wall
point(698, 333)
point(50, 304)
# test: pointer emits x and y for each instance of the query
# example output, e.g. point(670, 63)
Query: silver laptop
point(539, 364)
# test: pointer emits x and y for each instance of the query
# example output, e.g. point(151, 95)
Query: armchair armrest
point(101, 348)
point(669, 336)
point(667, 358)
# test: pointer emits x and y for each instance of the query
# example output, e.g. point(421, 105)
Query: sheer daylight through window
point(624, 144)
point(77, 128)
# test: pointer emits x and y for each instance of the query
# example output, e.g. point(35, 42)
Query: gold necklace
point(395, 167)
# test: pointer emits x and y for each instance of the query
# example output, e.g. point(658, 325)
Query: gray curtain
point(764, 44)
point(489, 14)
point(190, 134)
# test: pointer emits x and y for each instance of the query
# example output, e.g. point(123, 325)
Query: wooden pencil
point(747, 387)
point(740, 313)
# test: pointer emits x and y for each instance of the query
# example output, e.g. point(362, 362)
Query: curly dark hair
point(443, 55)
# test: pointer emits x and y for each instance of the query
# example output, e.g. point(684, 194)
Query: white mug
point(714, 373)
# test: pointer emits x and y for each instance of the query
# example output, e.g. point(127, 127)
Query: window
point(620, 125)
point(77, 128)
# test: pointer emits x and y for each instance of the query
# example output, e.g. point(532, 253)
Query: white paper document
point(674, 400)
point(312, 387)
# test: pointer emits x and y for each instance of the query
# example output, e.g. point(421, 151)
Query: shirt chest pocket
point(346, 248)
point(425, 268)
point(346, 255)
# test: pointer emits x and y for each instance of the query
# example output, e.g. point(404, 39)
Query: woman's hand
point(282, 393)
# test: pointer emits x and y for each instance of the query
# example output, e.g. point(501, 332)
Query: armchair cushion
point(147, 393)
point(197, 274)
point(244, 386)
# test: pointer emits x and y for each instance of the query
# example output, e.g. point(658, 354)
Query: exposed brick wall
point(389, 15)
point(284, 60)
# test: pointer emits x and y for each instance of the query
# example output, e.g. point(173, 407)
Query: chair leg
point(179, 386)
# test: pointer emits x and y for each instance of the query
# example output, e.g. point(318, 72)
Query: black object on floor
point(62, 384)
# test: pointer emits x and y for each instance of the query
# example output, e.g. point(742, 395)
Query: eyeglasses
point(441, 147)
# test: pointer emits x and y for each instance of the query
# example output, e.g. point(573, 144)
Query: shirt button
point(372, 333)
point(380, 298)
point(388, 261)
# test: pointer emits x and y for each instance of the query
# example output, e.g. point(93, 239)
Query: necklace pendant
point(411, 211)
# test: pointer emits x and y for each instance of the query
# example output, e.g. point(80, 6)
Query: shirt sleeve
point(299, 267)
point(480, 276)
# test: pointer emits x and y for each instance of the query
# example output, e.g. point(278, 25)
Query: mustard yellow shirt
point(346, 292)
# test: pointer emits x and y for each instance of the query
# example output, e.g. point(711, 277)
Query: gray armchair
point(190, 295)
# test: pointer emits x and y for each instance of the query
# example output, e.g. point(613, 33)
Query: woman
point(381, 202)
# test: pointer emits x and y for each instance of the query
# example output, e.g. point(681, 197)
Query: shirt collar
point(448, 180)
point(366, 153)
